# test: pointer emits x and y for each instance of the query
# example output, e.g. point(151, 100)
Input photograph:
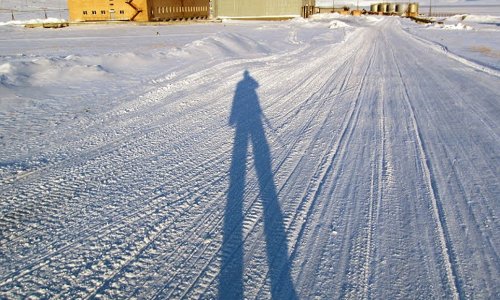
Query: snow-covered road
point(366, 168)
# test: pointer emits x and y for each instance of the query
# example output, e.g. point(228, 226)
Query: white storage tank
point(413, 8)
point(401, 8)
point(383, 7)
point(391, 8)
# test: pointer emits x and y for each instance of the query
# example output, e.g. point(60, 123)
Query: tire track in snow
point(299, 202)
point(255, 219)
point(376, 194)
point(139, 134)
point(457, 156)
point(206, 76)
point(120, 212)
point(333, 160)
point(98, 151)
point(104, 222)
point(444, 50)
point(255, 216)
point(439, 215)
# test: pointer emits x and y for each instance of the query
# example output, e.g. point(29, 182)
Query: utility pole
point(333, 6)
point(430, 8)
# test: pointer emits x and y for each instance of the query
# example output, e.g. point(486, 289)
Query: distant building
point(165, 10)
point(259, 9)
point(136, 10)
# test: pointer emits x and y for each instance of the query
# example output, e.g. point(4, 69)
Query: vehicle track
point(439, 215)
point(373, 188)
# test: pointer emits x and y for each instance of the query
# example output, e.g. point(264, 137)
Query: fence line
point(443, 14)
point(42, 12)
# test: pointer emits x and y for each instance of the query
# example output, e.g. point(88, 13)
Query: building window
point(122, 12)
point(94, 12)
point(84, 12)
point(103, 12)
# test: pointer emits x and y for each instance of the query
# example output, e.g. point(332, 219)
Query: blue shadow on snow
point(247, 119)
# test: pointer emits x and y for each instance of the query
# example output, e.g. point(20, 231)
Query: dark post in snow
point(12, 12)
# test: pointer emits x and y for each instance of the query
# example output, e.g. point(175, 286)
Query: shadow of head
point(245, 107)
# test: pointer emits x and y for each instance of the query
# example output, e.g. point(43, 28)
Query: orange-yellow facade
point(136, 10)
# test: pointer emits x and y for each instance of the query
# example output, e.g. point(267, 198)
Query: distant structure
point(167, 10)
point(401, 9)
point(137, 10)
point(263, 9)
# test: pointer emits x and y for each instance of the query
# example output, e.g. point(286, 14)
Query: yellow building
point(136, 10)
point(257, 9)
point(165, 10)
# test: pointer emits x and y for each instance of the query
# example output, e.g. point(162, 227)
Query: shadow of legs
point(231, 277)
point(274, 228)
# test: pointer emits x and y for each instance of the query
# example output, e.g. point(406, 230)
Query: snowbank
point(32, 21)
point(467, 22)
point(227, 45)
point(493, 20)
point(327, 16)
point(43, 71)
point(338, 24)
point(482, 19)
point(336, 20)
point(458, 26)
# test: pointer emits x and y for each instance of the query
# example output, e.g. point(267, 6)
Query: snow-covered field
point(335, 157)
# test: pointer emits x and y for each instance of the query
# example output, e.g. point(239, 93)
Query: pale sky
point(62, 3)
point(424, 2)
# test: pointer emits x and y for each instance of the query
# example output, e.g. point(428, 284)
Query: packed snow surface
point(336, 157)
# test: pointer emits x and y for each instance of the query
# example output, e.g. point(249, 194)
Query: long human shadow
point(247, 118)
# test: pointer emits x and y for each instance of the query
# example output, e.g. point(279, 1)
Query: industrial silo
point(383, 7)
point(401, 8)
point(374, 8)
point(391, 8)
point(413, 9)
